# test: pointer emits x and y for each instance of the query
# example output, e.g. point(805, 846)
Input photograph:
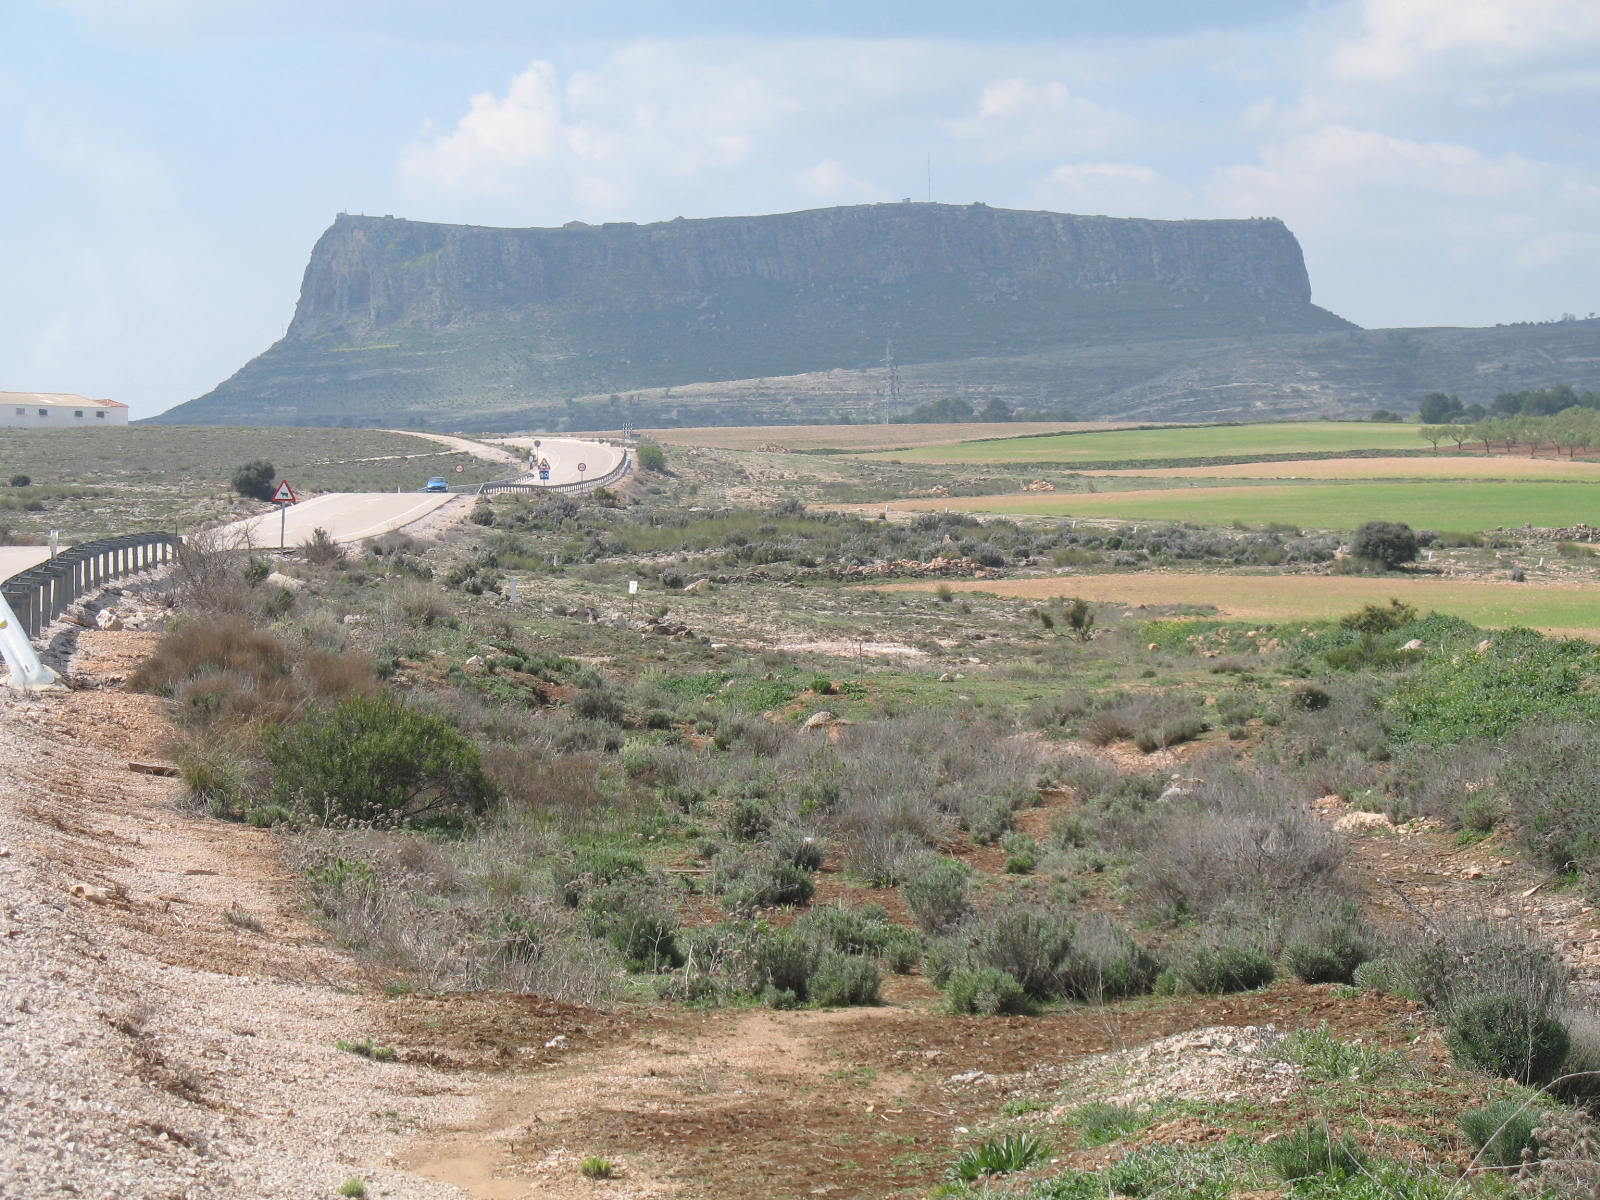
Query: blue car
point(437, 484)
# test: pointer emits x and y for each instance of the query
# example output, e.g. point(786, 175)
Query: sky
point(167, 165)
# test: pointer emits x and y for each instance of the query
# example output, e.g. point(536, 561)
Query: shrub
point(1502, 1133)
point(840, 979)
point(753, 881)
point(211, 646)
point(321, 550)
point(651, 457)
point(986, 991)
point(641, 928)
point(1029, 944)
point(254, 479)
point(1244, 840)
point(1508, 1036)
point(373, 759)
point(592, 867)
point(1328, 949)
point(1386, 542)
point(1223, 967)
point(1106, 964)
point(21, 481)
point(1153, 722)
point(937, 894)
point(595, 1167)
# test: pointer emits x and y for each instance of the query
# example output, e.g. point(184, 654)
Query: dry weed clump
point(461, 916)
point(1151, 722)
point(1243, 837)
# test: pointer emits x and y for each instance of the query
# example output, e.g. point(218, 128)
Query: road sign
point(582, 467)
point(284, 493)
point(544, 474)
point(460, 467)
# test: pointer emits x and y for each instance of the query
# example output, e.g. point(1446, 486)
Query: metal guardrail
point(517, 484)
point(42, 593)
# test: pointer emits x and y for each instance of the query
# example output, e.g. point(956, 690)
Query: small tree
point(254, 479)
point(1080, 618)
point(652, 457)
point(1386, 542)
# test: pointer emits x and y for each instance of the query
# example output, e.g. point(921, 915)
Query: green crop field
point(1455, 505)
point(1564, 609)
point(1144, 445)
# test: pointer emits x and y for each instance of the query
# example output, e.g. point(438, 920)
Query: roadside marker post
point(283, 496)
point(27, 672)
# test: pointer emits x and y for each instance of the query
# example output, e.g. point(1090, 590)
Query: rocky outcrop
point(402, 319)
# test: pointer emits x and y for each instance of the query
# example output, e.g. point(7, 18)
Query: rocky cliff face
point(400, 320)
point(370, 274)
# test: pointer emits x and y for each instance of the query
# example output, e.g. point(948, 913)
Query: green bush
point(985, 991)
point(255, 479)
point(637, 924)
point(1380, 618)
point(937, 894)
point(373, 759)
point(1386, 542)
point(1329, 949)
point(1502, 1133)
point(651, 457)
point(840, 979)
point(1223, 967)
point(1508, 1036)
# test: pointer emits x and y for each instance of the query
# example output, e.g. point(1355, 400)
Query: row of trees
point(1571, 430)
point(1441, 408)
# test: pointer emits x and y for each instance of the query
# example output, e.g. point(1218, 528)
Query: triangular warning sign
point(284, 494)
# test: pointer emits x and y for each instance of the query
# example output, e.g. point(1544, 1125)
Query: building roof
point(56, 400)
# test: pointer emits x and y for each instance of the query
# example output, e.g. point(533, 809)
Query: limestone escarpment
point(405, 321)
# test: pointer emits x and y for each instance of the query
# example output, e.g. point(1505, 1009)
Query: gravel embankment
point(168, 1016)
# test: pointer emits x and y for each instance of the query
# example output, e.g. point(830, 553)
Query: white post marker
point(283, 496)
point(27, 672)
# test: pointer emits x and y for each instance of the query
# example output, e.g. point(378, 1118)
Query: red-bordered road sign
point(284, 493)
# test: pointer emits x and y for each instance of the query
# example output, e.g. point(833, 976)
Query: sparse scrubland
point(757, 783)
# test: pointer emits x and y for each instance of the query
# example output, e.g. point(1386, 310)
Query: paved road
point(348, 516)
point(566, 453)
point(477, 449)
point(20, 558)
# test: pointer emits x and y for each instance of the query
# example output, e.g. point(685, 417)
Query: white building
point(57, 410)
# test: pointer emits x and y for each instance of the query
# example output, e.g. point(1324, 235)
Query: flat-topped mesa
point(407, 322)
point(370, 273)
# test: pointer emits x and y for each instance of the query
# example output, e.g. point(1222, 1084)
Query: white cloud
point(1018, 118)
point(1112, 189)
point(1404, 41)
point(500, 140)
point(829, 181)
point(1342, 177)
